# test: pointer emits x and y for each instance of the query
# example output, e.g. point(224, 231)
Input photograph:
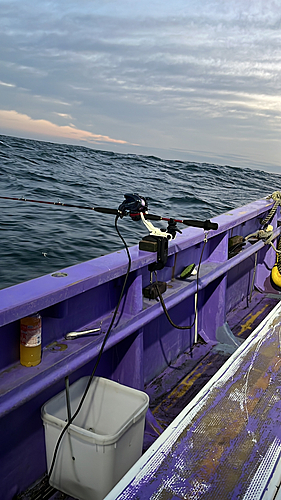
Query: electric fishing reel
point(133, 205)
point(136, 207)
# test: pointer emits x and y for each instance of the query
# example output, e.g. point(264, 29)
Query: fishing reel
point(133, 205)
point(157, 241)
point(136, 207)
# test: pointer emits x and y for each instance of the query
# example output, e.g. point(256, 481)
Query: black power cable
point(99, 355)
point(104, 343)
point(197, 290)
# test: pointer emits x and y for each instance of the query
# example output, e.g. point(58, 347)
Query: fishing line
point(100, 352)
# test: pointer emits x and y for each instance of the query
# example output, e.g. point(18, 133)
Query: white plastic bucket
point(104, 441)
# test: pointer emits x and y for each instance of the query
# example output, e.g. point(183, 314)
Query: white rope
point(274, 248)
point(260, 234)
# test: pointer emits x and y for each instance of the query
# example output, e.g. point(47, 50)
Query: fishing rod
point(133, 205)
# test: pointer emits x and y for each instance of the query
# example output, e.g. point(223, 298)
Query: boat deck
point(226, 443)
point(219, 415)
point(181, 382)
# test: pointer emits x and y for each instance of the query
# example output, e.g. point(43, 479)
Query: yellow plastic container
point(30, 340)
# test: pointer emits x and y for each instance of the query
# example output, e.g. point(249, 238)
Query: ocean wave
point(39, 239)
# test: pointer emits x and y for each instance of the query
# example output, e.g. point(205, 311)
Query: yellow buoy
point(276, 276)
point(276, 270)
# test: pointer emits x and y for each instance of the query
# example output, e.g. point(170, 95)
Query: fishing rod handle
point(207, 225)
point(146, 216)
point(152, 217)
point(112, 211)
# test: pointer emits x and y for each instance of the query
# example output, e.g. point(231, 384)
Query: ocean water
point(38, 239)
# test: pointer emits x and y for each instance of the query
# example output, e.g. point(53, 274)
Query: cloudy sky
point(198, 80)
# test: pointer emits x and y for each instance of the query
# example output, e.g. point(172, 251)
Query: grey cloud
point(120, 64)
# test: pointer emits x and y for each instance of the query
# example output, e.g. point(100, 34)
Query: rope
point(278, 259)
point(260, 235)
point(276, 197)
point(274, 248)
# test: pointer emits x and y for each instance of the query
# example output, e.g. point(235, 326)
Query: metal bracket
point(154, 231)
